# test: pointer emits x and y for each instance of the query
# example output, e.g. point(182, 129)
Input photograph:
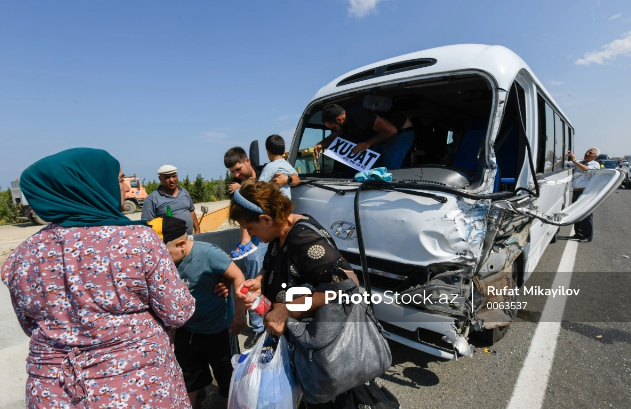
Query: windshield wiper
point(325, 187)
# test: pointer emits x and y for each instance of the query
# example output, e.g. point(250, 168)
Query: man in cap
point(209, 336)
point(169, 194)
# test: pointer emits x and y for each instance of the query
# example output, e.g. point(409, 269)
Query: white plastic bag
point(258, 385)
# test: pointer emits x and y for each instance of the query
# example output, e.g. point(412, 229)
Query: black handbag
point(340, 347)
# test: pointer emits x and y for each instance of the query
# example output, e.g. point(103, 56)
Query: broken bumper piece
point(410, 327)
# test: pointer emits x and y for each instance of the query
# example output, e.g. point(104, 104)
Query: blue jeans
point(393, 151)
point(253, 266)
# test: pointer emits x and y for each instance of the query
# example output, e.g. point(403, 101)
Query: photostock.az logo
point(297, 292)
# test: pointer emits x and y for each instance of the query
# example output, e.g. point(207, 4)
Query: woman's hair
point(267, 197)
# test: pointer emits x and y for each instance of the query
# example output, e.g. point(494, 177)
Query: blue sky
point(157, 82)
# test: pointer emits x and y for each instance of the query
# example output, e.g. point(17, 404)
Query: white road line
point(531, 385)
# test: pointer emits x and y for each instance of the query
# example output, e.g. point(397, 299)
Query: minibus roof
point(498, 61)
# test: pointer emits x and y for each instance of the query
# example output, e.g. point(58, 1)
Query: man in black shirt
point(391, 135)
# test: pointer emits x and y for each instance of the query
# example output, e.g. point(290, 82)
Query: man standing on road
point(392, 137)
point(238, 163)
point(170, 194)
point(583, 230)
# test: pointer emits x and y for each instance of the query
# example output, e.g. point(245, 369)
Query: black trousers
point(584, 228)
point(195, 351)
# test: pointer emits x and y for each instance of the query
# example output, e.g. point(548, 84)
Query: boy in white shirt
point(275, 146)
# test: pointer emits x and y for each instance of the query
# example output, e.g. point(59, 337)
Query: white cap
point(167, 170)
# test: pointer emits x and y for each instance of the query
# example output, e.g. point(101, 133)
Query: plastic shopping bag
point(262, 380)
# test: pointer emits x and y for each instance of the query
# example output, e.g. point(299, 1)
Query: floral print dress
point(95, 302)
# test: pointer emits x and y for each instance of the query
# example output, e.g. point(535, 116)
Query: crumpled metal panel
point(400, 227)
point(510, 249)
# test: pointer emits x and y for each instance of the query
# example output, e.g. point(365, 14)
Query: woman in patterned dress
point(95, 292)
point(297, 254)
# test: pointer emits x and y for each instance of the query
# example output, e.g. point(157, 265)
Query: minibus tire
point(492, 335)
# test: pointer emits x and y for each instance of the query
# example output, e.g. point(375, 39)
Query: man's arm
point(234, 274)
point(233, 186)
point(319, 147)
point(196, 229)
point(148, 209)
point(384, 131)
point(576, 163)
point(191, 208)
point(281, 179)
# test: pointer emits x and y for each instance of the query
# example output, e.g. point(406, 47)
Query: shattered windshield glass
point(440, 125)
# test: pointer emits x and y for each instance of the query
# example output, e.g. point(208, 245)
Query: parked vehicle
point(624, 168)
point(136, 195)
point(24, 209)
point(482, 192)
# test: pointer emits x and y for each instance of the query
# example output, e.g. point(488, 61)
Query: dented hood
point(397, 226)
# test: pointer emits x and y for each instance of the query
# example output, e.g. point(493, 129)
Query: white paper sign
point(342, 151)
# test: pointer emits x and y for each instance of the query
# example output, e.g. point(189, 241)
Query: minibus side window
point(559, 128)
point(541, 134)
point(305, 162)
point(549, 141)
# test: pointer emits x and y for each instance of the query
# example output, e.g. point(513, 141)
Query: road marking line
point(531, 385)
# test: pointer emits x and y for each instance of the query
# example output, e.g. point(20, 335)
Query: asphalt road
point(588, 364)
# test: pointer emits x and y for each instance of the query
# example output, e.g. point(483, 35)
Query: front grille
point(402, 332)
point(410, 275)
point(384, 265)
point(378, 281)
point(421, 335)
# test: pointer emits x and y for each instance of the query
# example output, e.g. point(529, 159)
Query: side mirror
point(204, 209)
point(254, 154)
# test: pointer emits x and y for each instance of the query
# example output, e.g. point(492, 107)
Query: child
point(209, 336)
point(275, 146)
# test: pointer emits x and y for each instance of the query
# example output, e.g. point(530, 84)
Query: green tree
point(186, 183)
point(8, 212)
point(200, 191)
point(150, 186)
point(228, 178)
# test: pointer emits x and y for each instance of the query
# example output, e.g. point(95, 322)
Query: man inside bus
point(583, 230)
point(392, 137)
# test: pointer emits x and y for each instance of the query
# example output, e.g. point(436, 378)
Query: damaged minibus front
point(480, 194)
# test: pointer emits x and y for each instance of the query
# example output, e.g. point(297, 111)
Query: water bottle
point(261, 305)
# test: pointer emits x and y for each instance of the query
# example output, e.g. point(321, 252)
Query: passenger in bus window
point(391, 134)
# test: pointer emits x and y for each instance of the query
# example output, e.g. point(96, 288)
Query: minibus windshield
point(441, 126)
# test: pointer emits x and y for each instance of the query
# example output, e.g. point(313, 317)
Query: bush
point(150, 186)
point(8, 212)
point(228, 178)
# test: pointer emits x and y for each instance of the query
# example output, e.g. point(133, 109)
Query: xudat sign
point(342, 151)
